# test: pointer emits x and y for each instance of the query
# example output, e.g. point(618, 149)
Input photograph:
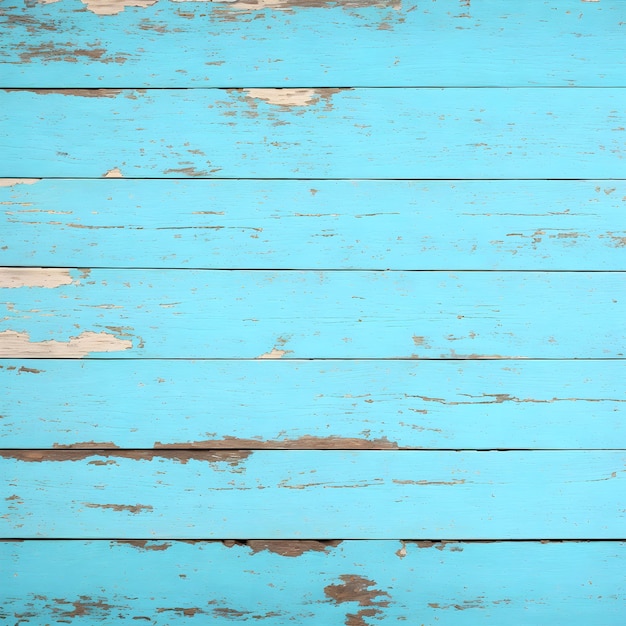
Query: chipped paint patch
point(14, 344)
point(289, 547)
point(50, 278)
point(355, 588)
point(112, 7)
point(11, 182)
point(113, 173)
point(144, 544)
point(291, 97)
point(231, 457)
point(274, 353)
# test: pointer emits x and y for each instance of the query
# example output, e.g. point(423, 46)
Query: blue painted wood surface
point(300, 43)
point(314, 133)
point(318, 224)
point(274, 494)
point(94, 359)
point(261, 314)
point(50, 403)
point(389, 582)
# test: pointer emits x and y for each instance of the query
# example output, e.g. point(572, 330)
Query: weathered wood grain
point(134, 43)
point(555, 225)
point(264, 315)
point(291, 404)
point(277, 494)
point(314, 133)
point(309, 582)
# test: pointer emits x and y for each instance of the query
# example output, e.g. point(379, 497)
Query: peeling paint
point(231, 457)
point(286, 5)
point(307, 442)
point(112, 7)
point(113, 173)
point(81, 93)
point(15, 344)
point(11, 182)
point(50, 278)
point(144, 544)
point(291, 97)
point(289, 547)
point(355, 588)
point(274, 353)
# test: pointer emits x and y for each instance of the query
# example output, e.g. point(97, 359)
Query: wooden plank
point(306, 404)
point(349, 582)
point(461, 225)
point(270, 43)
point(261, 314)
point(314, 133)
point(278, 494)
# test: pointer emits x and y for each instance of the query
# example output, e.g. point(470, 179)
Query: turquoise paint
point(252, 314)
point(318, 224)
point(375, 494)
point(429, 404)
point(196, 44)
point(352, 133)
point(521, 583)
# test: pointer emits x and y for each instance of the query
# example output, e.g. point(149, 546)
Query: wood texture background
point(312, 312)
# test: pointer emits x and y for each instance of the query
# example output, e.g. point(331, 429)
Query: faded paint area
point(15, 344)
point(10, 182)
point(113, 173)
point(66, 52)
point(15, 277)
point(291, 97)
point(308, 442)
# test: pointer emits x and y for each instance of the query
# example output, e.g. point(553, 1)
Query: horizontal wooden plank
point(261, 314)
point(269, 43)
point(278, 494)
point(306, 404)
point(349, 582)
point(314, 133)
point(557, 225)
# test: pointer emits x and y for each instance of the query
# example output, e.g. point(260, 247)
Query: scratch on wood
point(428, 482)
point(131, 508)
point(86, 445)
point(15, 277)
point(14, 344)
point(10, 182)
